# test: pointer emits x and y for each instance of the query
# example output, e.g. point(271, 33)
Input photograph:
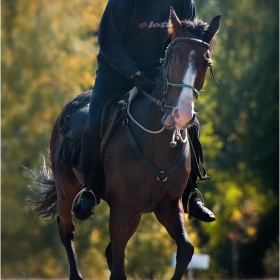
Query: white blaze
point(185, 107)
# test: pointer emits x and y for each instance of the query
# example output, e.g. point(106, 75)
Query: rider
point(131, 36)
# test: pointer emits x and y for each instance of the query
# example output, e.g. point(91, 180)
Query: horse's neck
point(159, 87)
point(155, 146)
point(147, 112)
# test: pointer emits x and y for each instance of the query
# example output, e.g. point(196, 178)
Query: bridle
point(166, 82)
point(167, 60)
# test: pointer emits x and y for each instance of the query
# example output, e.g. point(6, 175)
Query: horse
point(147, 160)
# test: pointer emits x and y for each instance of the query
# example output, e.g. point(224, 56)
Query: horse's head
point(186, 62)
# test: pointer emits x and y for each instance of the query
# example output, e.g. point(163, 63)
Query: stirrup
point(79, 194)
point(190, 218)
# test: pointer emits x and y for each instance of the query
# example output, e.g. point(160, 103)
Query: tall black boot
point(191, 202)
point(91, 163)
point(194, 206)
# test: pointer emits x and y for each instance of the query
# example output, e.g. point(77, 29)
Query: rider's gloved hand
point(143, 83)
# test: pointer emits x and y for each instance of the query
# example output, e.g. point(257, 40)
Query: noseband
point(167, 59)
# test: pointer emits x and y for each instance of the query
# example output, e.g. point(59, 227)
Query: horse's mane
point(196, 27)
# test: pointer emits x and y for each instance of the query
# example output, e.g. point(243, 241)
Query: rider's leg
point(91, 161)
point(192, 204)
point(108, 83)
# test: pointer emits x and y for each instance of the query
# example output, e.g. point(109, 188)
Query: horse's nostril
point(175, 113)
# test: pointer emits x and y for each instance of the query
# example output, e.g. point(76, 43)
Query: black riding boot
point(191, 202)
point(194, 206)
point(91, 164)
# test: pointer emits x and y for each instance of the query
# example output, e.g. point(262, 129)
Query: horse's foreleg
point(172, 217)
point(118, 230)
point(121, 228)
point(132, 228)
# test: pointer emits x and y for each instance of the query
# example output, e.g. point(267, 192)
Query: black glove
point(143, 83)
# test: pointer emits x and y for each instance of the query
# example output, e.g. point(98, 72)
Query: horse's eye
point(174, 59)
point(207, 55)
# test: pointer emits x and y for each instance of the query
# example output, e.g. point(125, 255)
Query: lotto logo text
point(152, 24)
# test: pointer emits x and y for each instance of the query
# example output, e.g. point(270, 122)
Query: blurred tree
point(46, 53)
point(271, 260)
point(244, 173)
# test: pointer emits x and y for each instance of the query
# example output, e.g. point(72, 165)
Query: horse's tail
point(46, 207)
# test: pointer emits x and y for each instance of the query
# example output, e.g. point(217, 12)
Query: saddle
point(73, 121)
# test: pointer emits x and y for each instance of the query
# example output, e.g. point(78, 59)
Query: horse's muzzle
point(168, 120)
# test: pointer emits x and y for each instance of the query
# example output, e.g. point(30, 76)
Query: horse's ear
point(212, 29)
point(175, 25)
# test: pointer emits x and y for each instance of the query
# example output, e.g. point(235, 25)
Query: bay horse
point(143, 173)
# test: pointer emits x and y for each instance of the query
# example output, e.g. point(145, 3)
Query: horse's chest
point(129, 173)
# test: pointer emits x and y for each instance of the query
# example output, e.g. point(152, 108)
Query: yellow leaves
point(50, 268)
point(93, 10)
point(245, 223)
point(236, 215)
point(95, 236)
point(93, 265)
point(32, 8)
point(87, 78)
point(233, 195)
point(195, 240)
point(251, 231)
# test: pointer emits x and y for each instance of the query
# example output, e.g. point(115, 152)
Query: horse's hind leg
point(66, 192)
point(172, 217)
point(67, 240)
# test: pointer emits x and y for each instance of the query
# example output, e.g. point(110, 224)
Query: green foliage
point(242, 148)
point(48, 56)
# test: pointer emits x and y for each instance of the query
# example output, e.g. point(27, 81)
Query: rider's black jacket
point(132, 33)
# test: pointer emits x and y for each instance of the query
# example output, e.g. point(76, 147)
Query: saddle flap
point(109, 113)
point(111, 116)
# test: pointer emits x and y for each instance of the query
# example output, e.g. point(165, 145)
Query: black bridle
point(166, 81)
point(167, 59)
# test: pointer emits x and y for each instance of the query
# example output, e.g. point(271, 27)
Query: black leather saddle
point(73, 125)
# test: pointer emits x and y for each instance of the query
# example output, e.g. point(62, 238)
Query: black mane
point(197, 27)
